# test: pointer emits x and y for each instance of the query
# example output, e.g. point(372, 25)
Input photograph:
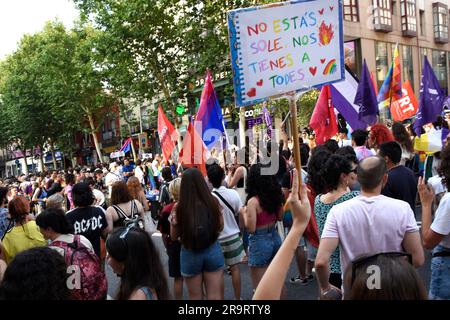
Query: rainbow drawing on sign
point(330, 68)
point(326, 34)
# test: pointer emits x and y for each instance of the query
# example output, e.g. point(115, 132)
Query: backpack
point(134, 217)
point(203, 235)
point(93, 285)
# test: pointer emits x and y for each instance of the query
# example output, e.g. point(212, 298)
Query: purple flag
point(268, 121)
point(366, 98)
point(431, 98)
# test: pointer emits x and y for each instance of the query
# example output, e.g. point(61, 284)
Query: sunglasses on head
point(356, 264)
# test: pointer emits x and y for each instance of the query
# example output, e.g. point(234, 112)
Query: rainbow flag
point(391, 88)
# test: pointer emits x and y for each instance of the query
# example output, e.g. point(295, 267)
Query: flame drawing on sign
point(326, 34)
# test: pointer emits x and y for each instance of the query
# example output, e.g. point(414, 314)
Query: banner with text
point(407, 106)
point(285, 47)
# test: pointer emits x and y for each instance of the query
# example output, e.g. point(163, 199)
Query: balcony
point(440, 22)
point(109, 139)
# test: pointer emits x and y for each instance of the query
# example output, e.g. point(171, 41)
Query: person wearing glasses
point(339, 174)
point(367, 224)
point(133, 256)
point(390, 275)
point(197, 221)
point(436, 234)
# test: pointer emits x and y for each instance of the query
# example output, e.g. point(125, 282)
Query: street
point(295, 291)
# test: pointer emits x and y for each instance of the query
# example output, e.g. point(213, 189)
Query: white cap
point(112, 165)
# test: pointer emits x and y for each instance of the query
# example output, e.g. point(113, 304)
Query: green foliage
point(305, 107)
point(51, 86)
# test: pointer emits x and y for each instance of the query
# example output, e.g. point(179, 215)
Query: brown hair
point(19, 208)
point(134, 187)
point(120, 193)
point(198, 212)
point(399, 280)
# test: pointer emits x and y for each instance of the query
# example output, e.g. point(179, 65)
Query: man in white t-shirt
point(112, 176)
point(229, 238)
point(366, 225)
point(139, 173)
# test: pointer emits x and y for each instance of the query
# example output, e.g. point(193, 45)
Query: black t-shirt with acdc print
point(89, 222)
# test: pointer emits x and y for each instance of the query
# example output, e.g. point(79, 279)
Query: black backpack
point(203, 235)
point(134, 218)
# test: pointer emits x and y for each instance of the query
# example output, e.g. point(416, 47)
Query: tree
point(161, 46)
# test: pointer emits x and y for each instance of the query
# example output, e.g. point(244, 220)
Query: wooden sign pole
point(297, 157)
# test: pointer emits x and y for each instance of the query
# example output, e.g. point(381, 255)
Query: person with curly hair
point(133, 256)
point(379, 134)
point(36, 274)
point(436, 234)
point(24, 235)
point(402, 136)
point(339, 174)
point(264, 207)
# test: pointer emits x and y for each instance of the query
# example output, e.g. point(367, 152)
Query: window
point(393, 7)
point(440, 22)
point(423, 54)
point(439, 64)
point(422, 22)
point(407, 65)
point(382, 15)
point(351, 10)
point(381, 59)
point(408, 16)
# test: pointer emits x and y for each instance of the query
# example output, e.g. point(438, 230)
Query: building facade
point(372, 28)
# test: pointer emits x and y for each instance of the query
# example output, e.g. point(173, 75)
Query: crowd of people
point(352, 206)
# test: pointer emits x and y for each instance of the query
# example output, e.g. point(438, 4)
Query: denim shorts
point(440, 276)
point(312, 251)
point(262, 247)
point(195, 262)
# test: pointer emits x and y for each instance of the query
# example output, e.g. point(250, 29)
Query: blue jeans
point(262, 247)
point(440, 276)
point(207, 260)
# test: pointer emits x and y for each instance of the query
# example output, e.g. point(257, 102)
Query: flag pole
point(297, 157)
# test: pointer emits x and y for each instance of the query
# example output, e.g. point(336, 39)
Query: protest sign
point(285, 47)
point(117, 154)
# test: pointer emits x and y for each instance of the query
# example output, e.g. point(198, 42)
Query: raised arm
point(271, 284)
point(430, 238)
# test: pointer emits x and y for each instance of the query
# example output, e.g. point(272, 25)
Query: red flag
point(194, 152)
point(407, 106)
point(323, 119)
point(165, 132)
